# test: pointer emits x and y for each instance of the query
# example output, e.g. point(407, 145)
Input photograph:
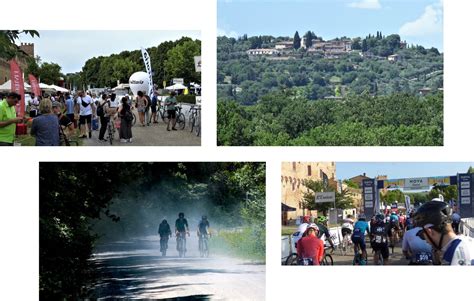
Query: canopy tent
point(7, 86)
point(59, 89)
point(286, 208)
point(122, 87)
point(176, 87)
point(46, 88)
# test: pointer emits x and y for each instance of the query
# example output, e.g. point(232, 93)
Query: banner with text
point(18, 86)
point(369, 194)
point(146, 60)
point(34, 85)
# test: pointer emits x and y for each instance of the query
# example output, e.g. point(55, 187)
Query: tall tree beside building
point(296, 41)
point(8, 49)
point(308, 39)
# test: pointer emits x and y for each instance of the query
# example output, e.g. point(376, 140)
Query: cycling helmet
point(322, 219)
point(312, 226)
point(379, 218)
point(433, 214)
point(181, 214)
point(362, 217)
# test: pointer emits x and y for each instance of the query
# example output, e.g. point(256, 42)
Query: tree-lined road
point(135, 269)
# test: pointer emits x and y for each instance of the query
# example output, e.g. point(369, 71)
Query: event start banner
point(18, 86)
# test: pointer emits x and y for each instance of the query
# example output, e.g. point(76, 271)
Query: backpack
point(128, 116)
point(100, 110)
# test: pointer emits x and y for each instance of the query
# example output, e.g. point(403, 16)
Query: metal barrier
point(467, 227)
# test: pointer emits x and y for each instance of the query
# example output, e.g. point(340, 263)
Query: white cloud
point(366, 4)
point(429, 23)
point(230, 34)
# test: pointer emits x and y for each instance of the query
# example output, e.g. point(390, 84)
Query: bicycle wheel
point(327, 260)
point(181, 121)
point(292, 259)
point(134, 120)
point(197, 127)
point(192, 120)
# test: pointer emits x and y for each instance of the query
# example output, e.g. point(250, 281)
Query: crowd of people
point(56, 118)
point(427, 236)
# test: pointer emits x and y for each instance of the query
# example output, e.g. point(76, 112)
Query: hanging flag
point(146, 60)
point(407, 202)
point(34, 85)
point(18, 86)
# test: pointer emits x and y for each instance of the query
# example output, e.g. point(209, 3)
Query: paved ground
point(135, 269)
point(396, 258)
point(153, 135)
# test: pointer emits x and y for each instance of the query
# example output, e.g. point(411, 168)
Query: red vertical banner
point(34, 85)
point(18, 86)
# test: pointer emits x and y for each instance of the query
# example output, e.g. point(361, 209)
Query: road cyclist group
point(181, 230)
point(428, 235)
point(64, 118)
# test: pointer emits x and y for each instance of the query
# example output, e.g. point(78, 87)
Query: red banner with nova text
point(34, 85)
point(18, 86)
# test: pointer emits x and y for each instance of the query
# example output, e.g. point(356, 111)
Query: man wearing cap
point(434, 218)
point(8, 119)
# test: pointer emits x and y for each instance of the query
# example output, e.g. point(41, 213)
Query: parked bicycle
point(195, 119)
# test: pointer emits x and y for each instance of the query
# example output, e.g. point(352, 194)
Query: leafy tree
point(180, 61)
point(8, 49)
point(344, 199)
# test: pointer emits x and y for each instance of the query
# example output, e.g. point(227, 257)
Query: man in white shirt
point(434, 217)
point(85, 114)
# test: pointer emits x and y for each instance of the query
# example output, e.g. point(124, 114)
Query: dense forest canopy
point(83, 202)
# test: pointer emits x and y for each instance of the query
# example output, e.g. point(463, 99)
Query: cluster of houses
point(330, 49)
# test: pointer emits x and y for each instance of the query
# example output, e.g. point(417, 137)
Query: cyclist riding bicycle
point(395, 227)
point(321, 222)
point(434, 218)
point(418, 251)
point(379, 233)
point(358, 236)
point(181, 229)
point(310, 248)
point(301, 230)
point(347, 226)
point(164, 231)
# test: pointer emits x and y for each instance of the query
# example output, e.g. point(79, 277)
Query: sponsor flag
point(18, 86)
point(34, 85)
point(146, 60)
point(407, 202)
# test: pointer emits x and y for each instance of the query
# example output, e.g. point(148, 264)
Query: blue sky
point(72, 48)
point(346, 170)
point(417, 21)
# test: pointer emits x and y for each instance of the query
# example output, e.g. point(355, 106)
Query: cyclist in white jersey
point(434, 217)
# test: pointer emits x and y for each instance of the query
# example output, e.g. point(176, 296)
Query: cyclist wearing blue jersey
point(358, 236)
point(394, 229)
